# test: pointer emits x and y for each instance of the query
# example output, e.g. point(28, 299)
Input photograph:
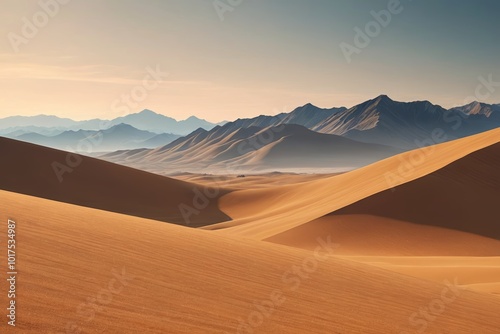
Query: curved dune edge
point(462, 196)
point(85, 181)
point(474, 273)
point(263, 213)
point(367, 235)
point(181, 280)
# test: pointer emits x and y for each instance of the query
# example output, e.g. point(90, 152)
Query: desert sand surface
point(427, 252)
point(174, 279)
point(250, 181)
point(473, 273)
point(388, 258)
point(448, 214)
point(380, 236)
point(28, 169)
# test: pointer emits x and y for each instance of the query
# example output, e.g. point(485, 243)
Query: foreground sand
point(181, 280)
point(83, 270)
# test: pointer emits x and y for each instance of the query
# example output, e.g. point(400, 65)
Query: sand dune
point(461, 196)
point(28, 169)
point(475, 273)
point(392, 261)
point(249, 181)
point(263, 213)
point(380, 236)
point(180, 280)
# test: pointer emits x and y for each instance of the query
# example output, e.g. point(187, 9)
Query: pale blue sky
point(264, 57)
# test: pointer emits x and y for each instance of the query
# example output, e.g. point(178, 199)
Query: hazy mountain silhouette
point(146, 120)
point(118, 137)
point(286, 146)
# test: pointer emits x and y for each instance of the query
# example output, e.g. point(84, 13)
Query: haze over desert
point(250, 167)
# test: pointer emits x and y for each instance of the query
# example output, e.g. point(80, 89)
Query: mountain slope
point(118, 137)
point(254, 148)
point(309, 115)
point(406, 125)
point(298, 147)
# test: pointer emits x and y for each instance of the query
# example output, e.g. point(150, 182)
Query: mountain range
point(381, 120)
point(307, 137)
point(310, 137)
point(283, 147)
point(146, 120)
point(118, 137)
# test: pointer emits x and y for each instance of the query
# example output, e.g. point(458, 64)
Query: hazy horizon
point(262, 58)
point(228, 119)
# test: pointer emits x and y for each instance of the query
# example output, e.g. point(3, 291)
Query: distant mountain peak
point(146, 112)
point(383, 98)
point(122, 126)
point(202, 130)
point(194, 118)
point(474, 104)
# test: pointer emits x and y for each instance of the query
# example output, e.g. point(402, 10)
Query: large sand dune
point(462, 196)
point(178, 280)
point(422, 217)
point(263, 213)
point(28, 169)
point(379, 236)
